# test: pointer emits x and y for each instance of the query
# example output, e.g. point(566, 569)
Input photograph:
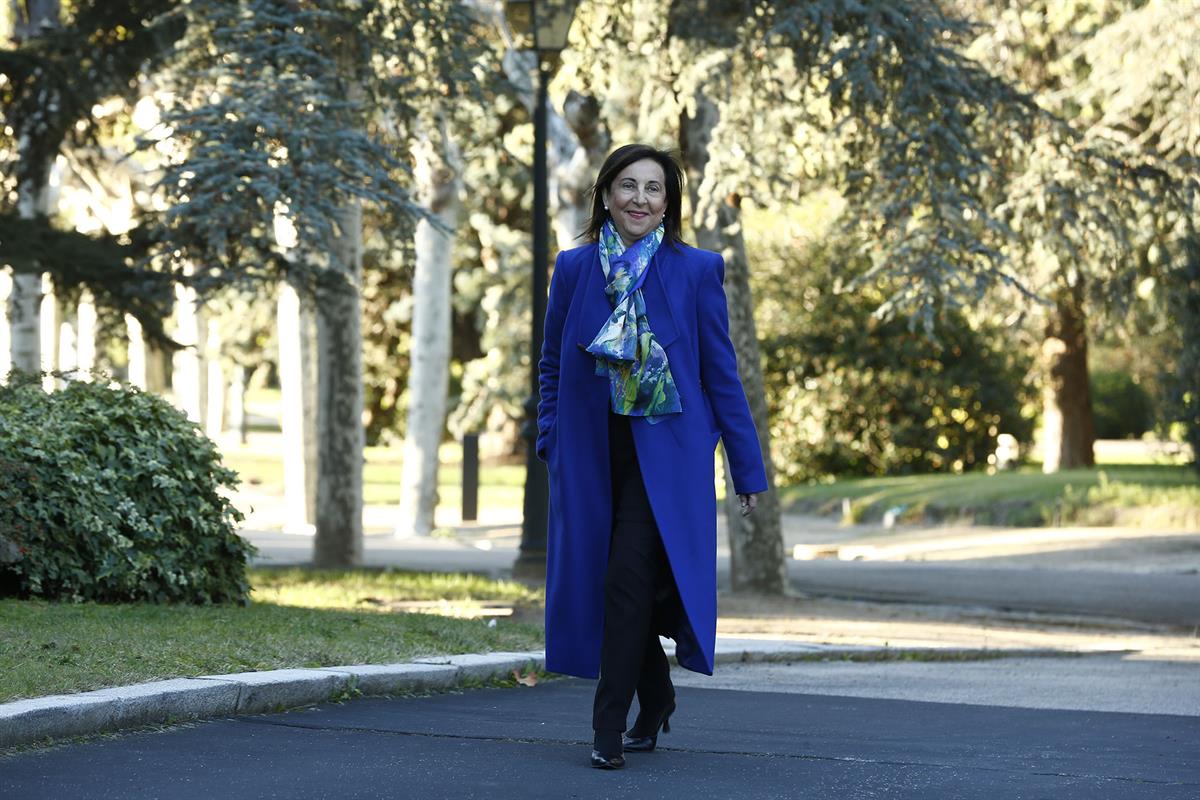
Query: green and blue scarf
point(639, 377)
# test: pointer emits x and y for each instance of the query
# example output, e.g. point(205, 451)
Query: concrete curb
point(59, 716)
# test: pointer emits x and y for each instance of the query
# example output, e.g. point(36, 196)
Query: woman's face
point(637, 199)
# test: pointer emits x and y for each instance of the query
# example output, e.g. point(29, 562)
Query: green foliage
point(1182, 373)
point(111, 494)
point(1120, 204)
point(851, 393)
point(56, 75)
point(1122, 407)
point(270, 122)
point(101, 263)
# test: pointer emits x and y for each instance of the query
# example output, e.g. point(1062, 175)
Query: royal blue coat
point(686, 307)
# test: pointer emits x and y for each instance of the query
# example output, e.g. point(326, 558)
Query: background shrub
point(1122, 407)
point(852, 394)
point(108, 493)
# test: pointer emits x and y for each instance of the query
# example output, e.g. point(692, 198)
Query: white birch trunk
point(340, 435)
point(24, 319)
point(135, 371)
point(439, 185)
point(237, 402)
point(297, 332)
point(65, 345)
point(214, 412)
point(188, 371)
point(85, 337)
point(33, 198)
point(50, 322)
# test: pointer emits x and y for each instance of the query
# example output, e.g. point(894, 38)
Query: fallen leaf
point(525, 680)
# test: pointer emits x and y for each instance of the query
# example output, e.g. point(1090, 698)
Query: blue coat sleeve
point(556, 311)
point(720, 381)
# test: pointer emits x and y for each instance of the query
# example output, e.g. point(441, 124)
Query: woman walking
point(638, 382)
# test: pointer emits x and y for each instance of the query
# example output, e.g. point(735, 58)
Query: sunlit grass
point(1134, 494)
point(296, 619)
point(355, 589)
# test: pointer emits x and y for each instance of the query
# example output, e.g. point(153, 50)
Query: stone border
point(182, 699)
point(177, 700)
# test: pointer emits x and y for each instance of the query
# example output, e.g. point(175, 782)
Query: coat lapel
point(657, 294)
point(594, 309)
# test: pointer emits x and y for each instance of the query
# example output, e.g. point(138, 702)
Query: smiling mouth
point(637, 214)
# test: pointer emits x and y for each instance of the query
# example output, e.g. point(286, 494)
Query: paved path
point(1166, 598)
point(1161, 598)
point(1135, 683)
point(506, 743)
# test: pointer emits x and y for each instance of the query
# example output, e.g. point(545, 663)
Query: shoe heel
point(667, 725)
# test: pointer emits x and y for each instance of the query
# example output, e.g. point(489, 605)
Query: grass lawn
point(1125, 494)
point(297, 618)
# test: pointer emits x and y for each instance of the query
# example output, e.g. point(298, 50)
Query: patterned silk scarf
point(639, 377)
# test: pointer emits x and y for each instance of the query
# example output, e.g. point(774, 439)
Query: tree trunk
point(576, 161)
point(340, 434)
point(214, 406)
point(188, 370)
point(60, 337)
point(52, 319)
point(437, 175)
point(135, 367)
point(577, 143)
point(24, 319)
point(297, 331)
point(147, 359)
point(33, 199)
point(6, 288)
point(237, 402)
point(755, 542)
point(85, 336)
point(1068, 425)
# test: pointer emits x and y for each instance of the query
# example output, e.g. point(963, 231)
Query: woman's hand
point(749, 503)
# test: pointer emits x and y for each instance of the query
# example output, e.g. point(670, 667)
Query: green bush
point(110, 494)
point(1122, 407)
point(852, 394)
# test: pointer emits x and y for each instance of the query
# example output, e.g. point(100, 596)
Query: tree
point(275, 103)
point(1156, 107)
point(64, 63)
point(926, 144)
point(1092, 211)
point(446, 40)
point(39, 18)
point(438, 174)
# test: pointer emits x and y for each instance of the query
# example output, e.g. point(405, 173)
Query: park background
point(308, 226)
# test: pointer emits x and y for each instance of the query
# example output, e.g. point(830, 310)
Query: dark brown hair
point(618, 160)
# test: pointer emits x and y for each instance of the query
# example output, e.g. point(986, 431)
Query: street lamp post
point(547, 23)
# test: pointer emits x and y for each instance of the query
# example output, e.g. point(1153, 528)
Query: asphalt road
point(1156, 598)
point(1160, 598)
point(533, 743)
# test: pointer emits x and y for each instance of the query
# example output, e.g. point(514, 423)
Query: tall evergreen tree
point(275, 117)
point(928, 146)
point(60, 63)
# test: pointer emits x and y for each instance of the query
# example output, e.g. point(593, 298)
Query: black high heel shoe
point(603, 746)
point(646, 744)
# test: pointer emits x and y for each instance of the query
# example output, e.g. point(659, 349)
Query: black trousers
point(640, 596)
